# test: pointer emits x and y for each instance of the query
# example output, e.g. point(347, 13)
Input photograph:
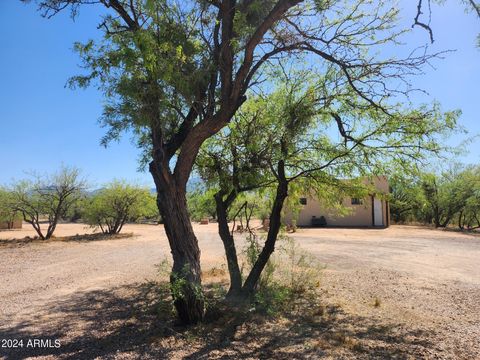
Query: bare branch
point(420, 23)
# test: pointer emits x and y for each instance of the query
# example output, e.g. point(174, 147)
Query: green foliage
point(250, 205)
point(407, 199)
point(251, 252)
point(149, 74)
point(439, 199)
point(175, 73)
point(48, 197)
point(323, 133)
point(76, 211)
point(291, 276)
point(8, 213)
point(111, 207)
point(182, 288)
point(201, 204)
point(454, 195)
point(155, 71)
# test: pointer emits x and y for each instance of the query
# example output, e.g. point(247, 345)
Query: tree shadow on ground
point(137, 321)
point(471, 232)
point(73, 238)
point(312, 332)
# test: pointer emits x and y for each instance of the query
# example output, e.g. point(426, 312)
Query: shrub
point(290, 276)
point(201, 204)
point(111, 207)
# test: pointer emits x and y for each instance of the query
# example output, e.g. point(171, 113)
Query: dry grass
point(215, 273)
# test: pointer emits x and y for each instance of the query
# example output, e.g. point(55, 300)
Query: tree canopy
point(448, 197)
point(302, 137)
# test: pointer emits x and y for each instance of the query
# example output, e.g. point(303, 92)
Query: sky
point(43, 124)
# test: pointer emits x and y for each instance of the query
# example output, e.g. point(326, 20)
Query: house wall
point(16, 224)
point(359, 215)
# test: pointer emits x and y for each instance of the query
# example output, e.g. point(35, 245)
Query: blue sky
point(44, 124)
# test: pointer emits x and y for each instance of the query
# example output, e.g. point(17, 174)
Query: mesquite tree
point(466, 185)
point(8, 214)
point(452, 194)
point(115, 204)
point(442, 198)
point(407, 199)
point(47, 198)
point(177, 72)
point(290, 139)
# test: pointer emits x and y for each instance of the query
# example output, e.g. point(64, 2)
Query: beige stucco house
point(371, 211)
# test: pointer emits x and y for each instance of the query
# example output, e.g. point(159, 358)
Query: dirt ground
point(403, 292)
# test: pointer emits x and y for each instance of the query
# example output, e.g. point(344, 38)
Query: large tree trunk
point(229, 245)
point(185, 278)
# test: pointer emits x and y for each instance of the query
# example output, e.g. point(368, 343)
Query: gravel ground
point(402, 292)
point(422, 279)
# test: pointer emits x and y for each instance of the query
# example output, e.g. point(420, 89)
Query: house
point(371, 211)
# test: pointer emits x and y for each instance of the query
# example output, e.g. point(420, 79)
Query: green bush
point(111, 207)
point(290, 276)
point(201, 204)
point(8, 213)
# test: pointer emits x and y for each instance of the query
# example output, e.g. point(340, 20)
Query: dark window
point(357, 201)
point(303, 201)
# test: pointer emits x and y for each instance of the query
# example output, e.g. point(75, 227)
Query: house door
point(377, 212)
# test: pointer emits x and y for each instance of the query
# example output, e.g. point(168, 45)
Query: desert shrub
point(111, 207)
point(290, 282)
point(290, 277)
point(251, 252)
point(300, 270)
